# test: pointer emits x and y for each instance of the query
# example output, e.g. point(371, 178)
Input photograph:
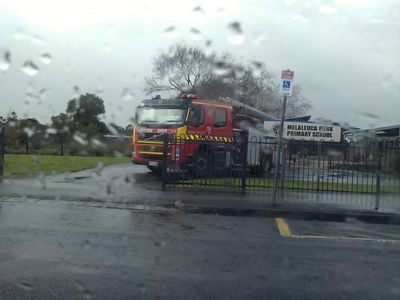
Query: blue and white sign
point(286, 85)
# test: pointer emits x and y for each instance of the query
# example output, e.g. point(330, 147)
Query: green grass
point(21, 165)
point(268, 183)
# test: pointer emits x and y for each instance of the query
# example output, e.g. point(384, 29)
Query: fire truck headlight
point(177, 153)
point(133, 150)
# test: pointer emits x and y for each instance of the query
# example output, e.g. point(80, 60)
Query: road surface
point(57, 250)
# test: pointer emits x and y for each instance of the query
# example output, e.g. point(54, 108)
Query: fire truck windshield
point(160, 117)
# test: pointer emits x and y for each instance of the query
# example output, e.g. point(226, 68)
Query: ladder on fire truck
point(246, 112)
point(245, 109)
point(240, 108)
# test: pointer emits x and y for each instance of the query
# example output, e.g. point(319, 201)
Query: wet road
point(53, 249)
point(124, 183)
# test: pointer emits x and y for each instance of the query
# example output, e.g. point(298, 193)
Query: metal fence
point(248, 164)
point(2, 137)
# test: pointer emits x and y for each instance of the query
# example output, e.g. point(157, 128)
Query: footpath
point(120, 187)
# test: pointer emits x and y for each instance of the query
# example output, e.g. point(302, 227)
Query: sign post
point(286, 86)
point(285, 89)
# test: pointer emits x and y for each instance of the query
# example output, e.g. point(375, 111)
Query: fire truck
point(201, 132)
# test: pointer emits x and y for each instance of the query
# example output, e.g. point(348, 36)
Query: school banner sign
point(304, 131)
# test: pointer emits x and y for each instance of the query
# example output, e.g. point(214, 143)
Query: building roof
point(386, 131)
point(299, 119)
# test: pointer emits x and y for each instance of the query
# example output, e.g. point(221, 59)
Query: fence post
point(378, 177)
point(164, 170)
point(62, 143)
point(319, 166)
point(2, 138)
point(282, 177)
point(244, 163)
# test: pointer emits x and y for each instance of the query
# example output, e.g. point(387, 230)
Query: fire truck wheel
point(202, 164)
point(266, 165)
point(155, 170)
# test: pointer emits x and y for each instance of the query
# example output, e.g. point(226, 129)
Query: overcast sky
point(345, 53)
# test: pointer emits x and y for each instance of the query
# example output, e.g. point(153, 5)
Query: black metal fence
point(248, 164)
point(2, 137)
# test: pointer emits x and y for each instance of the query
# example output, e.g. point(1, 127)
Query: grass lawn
point(21, 165)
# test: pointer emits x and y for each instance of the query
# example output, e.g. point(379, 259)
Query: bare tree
point(189, 69)
point(297, 104)
point(182, 69)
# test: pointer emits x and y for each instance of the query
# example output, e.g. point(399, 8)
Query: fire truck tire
point(266, 165)
point(155, 170)
point(202, 163)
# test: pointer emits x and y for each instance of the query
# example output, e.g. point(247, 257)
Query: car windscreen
point(160, 116)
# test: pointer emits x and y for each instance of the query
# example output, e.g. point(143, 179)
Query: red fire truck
point(201, 129)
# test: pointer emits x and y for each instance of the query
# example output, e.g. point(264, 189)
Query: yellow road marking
point(283, 227)
point(284, 231)
point(348, 238)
